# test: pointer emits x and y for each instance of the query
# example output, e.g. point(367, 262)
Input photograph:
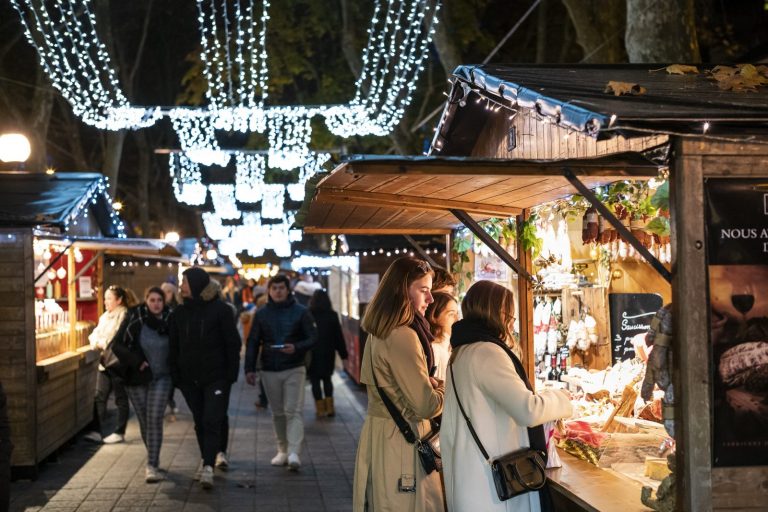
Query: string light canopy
point(197, 136)
point(223, 197)
point(249, 177)
point(78, 64)
point(187, 180)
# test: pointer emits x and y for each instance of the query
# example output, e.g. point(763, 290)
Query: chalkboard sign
point(631, 314)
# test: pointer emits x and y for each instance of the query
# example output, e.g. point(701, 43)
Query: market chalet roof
point(415, 195)
point(574, 97)
point(38, 199)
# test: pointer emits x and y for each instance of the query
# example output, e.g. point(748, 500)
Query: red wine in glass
point(743, 303)
point(743, 299)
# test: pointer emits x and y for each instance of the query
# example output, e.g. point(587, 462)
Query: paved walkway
point(86, 477)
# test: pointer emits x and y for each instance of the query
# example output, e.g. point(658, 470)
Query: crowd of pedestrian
point(190, 338)
point(429, 375)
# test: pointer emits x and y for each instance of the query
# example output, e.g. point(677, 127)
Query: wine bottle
point(563, 367)
point(552, 375)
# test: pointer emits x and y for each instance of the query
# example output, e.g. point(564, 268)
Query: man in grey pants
point(284, 331)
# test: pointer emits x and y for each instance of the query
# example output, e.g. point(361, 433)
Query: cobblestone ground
point(86, 477)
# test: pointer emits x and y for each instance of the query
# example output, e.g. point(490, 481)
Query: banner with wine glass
point(737, 259)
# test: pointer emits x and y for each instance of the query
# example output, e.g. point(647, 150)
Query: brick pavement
point(84, 477)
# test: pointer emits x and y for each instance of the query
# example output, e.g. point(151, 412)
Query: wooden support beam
point(419, 249)
point(492, 244)
point(525, 299)
point(312, 230)
point(616, 223)
point(346, 196)
point(72, 298)
point(691, 351)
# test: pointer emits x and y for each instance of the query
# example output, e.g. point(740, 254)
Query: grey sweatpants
point(149, 402)
point(285, 392)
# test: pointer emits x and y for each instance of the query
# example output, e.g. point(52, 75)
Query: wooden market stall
point(56, 230)
point(512, 138)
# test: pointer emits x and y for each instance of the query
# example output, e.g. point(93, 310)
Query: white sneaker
point(114, 438)
point(152, 475)
point(221, 461)
point(93, 437)
point(281, 459)
point(206, 478)
point(199, 471)
point(294, 462)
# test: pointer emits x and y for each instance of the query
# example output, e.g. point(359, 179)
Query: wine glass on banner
point(743, 299)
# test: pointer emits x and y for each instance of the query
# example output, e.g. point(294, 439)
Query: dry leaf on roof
point(621, 88)
point(681, 69)
point(743, 77)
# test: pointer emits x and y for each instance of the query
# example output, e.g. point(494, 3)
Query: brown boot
point(329, 406)
point(320, 408)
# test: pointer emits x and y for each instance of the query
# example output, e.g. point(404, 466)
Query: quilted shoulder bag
point(513, 473)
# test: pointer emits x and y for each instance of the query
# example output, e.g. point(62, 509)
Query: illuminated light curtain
point(78, 65)
point(249, 178)
point(223, 198)
point(187, 180)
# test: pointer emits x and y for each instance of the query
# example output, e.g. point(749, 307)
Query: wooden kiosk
point(511, 138)
point(55, 233)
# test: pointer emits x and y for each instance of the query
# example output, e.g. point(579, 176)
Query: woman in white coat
point(497, 400)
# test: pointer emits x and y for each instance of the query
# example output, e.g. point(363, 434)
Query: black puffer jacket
point(278, 323)
point(127, 343)
point(205, 345)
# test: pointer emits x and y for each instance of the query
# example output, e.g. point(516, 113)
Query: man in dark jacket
point(284, 331)
point(204, 360)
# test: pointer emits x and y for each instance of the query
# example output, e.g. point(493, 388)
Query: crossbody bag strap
point(469, 423)
point(403, 425)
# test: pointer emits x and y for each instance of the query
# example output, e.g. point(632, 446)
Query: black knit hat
point(198, 279)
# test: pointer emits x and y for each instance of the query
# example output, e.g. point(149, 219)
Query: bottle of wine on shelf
point(563, 366)
point(552, 375)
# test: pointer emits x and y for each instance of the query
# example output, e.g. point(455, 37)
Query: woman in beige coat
point(506, 414)
point(388, 474)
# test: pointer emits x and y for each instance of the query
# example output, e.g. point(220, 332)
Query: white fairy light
point(198, 139)
point(78, 65)
point(187, 180)
point(249, 177)
point(223, 198)
point(214, 227)
point(272, 199)
point(289, 133)
point(234, 63)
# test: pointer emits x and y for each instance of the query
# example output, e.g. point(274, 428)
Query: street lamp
point(14, 147)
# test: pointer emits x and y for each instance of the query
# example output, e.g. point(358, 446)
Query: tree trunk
point(40, 117)
point(661, 31)
point(145, 164)
point(113, 152)
point(541, 33)
point(348, 47)
point(446, 47)
point(599, 26)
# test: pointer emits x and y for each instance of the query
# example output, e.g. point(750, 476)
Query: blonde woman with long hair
point(398, 358)
point(505, 412)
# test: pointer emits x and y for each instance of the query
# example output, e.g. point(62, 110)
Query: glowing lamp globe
point(14, 147)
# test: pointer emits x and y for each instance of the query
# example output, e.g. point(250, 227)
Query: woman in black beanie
point(204, 361)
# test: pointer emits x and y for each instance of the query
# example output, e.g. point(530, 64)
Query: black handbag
point(427, 447)
point(513, 473)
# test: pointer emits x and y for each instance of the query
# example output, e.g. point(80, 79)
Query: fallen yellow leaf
point(681, 69)
point(622, 88)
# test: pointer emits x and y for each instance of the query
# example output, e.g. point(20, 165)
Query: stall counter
point(580, 486)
